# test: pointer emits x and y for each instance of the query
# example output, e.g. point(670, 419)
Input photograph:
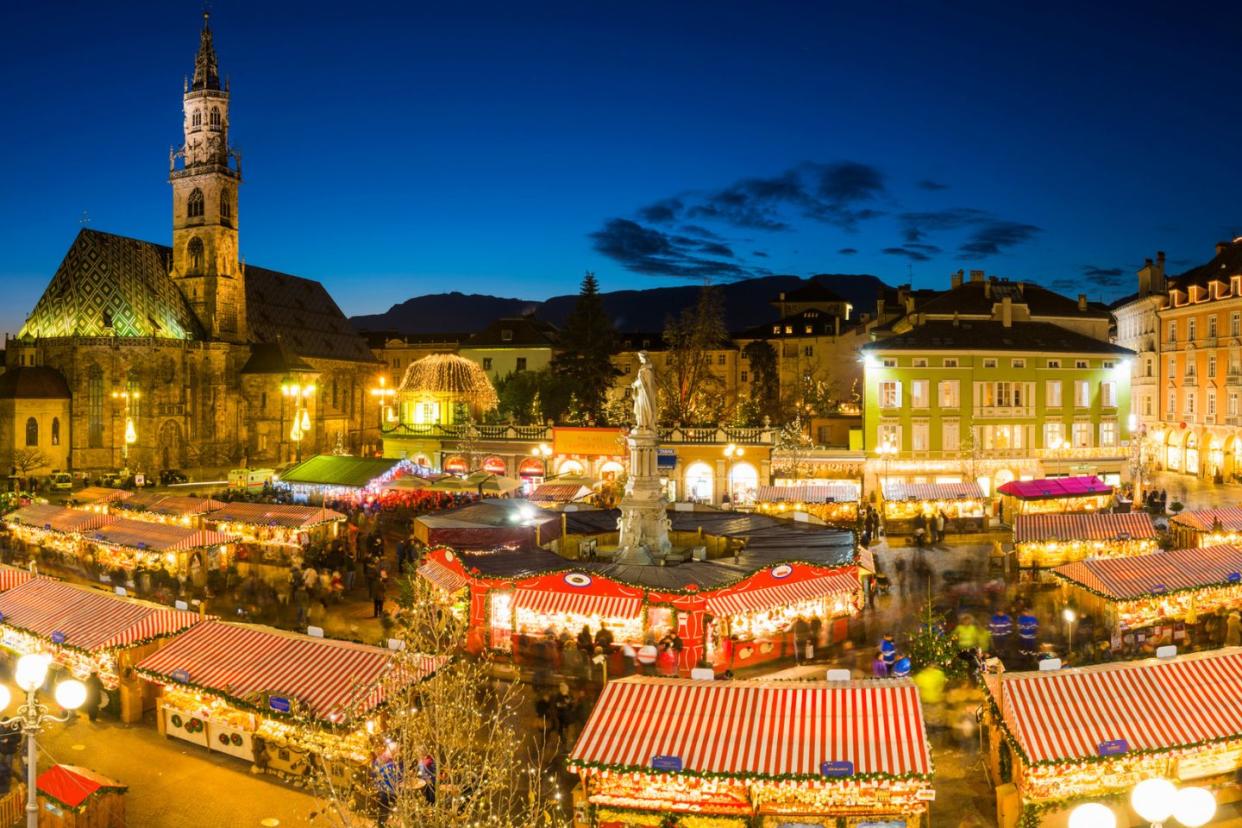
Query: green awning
point(336, 470)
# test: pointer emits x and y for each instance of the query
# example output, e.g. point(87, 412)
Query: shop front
point(1054, 739)
point(1051, 540)
point(963, 505)
point(830, 502)
point(1207, 527)
point(1180, 597)
point(272, 536)
point(1054, 495)
point(86, 630)
point(156, 508)
point(740, 754)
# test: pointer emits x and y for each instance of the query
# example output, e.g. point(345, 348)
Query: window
point(506, 335)
point(1190, 403)
point(1054, 435)
point(919, 435)
point(807, 350)
point(1052, 393)
point(950, 362)
point(215, 116)
point(1082, 394)
point(1211, 404)
point(1233, 404)
point(919, 362)
point(1211, 367)
point(988, 362)
point(56, 431)
point(1054, 363)
point(1190, 330)
point(1172, 406)
point(32, 431)
point(950, 435)
point(807, 329)
point(1172, 367)
point(1212, 326)
point(919, 390)
point(194, 250)
point(194, 204)
point(776, 329)
point(196, 118)
point(94, 407)
point(1147, 366)
point(1110, 363)
point(1019, 363)
point(487, 363)
point(889, 362)
point(889, 434)
point(1172, 332)
point(1081, 363)
point(521, 363)
point(744, 376)
point(1082, 435)
point(1108, 433)
point(890, 394)
point(1235, 324)
point(1147, 406)
point(1190, 366)
point(950, 394)
point(720, 359)
point(1108, 394)
point(226, 203)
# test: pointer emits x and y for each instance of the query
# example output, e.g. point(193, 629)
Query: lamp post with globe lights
point(70, 694)
point(1155, 801)
point(299, 393)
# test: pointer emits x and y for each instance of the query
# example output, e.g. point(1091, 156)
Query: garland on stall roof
point(875, 776)
point(1148, 595)
point(114, 648)
point(663, 819)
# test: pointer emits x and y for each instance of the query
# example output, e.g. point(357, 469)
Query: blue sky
point(505, 148)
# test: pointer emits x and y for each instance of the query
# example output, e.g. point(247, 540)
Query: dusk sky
point(505, 148)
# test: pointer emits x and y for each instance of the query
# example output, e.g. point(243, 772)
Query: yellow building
point(34, 420)
point(511, 345)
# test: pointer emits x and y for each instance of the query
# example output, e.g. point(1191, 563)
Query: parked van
point(250, 479)
point(61, 482)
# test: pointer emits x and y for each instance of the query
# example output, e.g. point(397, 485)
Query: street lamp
point(887, 451)
point(70, 694)
point(131, 431)
point(1070, 617)
point(731, 453)
point(1155, 801)
point(299, 394)
point(384, 394)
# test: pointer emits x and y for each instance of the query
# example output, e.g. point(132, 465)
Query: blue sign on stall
point(666, 458)
point(1115, 747)
point(58, 637)
point(1234, 577)
point(182, 676)
point(1159, 589)
point(666, 763)
point(279, 703)
point(836, 768)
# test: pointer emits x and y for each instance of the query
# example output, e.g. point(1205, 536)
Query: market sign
point(666, 458)
point(843, 768)
point(279, 703)
point(666, 763)
point(1234, 577)
point(182, 676)
point(58, 637)
point(1115, 747)
point(1159, 589)
point(588, 442)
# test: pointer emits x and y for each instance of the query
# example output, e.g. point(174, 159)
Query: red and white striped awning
point(825, 586)
point(443, 577)
point(809, 493)
point(1083, 526)
point(333, 680)
point(931, 491)
point(577, 603)
point(1159, 572)
point(289, 516)
point(89, 619)
point(11, 576)
point(1067, 714)
point(757, 728)
point(157, 537)
point(58, 518)
point(1228, 519)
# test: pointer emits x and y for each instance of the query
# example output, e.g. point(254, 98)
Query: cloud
point(652, 252)
point(1105, 277)
point(988, 234)
point(848, 251)
point(661, 212)
point(914, 226)
point(759, 253)
point(912, 255)
point(994, 237)
point(928, 184)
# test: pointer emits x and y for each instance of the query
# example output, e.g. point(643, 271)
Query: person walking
point(888, 651)
point(1233, 630)
point(377, 595)
point(1001, 628)
point(94, 695)
point(1028, 633)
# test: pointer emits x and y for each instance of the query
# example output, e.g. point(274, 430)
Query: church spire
point(206, 73)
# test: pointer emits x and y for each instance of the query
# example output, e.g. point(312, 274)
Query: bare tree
point(26, 460)
point(689, 392)
point(792, 446)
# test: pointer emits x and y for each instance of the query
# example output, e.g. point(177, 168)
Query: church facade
point(184, 355)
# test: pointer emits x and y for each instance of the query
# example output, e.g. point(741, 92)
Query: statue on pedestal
point(645, 400)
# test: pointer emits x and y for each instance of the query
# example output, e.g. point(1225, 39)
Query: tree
point(584, 362)
point(690, 393)
point(929, 645)
point(765, 388)
point(792, 446)
point(25, 460)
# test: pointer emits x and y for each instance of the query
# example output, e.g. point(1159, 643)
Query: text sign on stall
point(666, 763)
point(1234, 577)
point(279, 703)
point(58, 637)
point(1114, 747)
point(182, 676)
point(842, 768)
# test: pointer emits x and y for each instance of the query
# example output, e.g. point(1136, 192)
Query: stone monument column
point(644, 521)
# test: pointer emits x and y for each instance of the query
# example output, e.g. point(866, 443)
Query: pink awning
point(1055, 487)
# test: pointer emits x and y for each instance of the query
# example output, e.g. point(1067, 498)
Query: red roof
point(757, 728)
point(157, 537)
point(11, 576)
point(73, 785)
point(809, 493)
point(1205, 520)
point(1152, 705)
point(274, 514)
point(59, 518)
point(1056, 487)
point(99, 494)
point(443, 577)
point(89, 619)
point(559, 492)
point(578, 593)
point(1140, 575)
point(932, 491)
point(1083, 526)
point(768, 589)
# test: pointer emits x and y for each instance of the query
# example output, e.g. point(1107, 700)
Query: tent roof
point(1158, 573)
point(1056, 487)
point(337, 470)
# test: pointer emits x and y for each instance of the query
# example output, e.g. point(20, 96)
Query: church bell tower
point(205, 183)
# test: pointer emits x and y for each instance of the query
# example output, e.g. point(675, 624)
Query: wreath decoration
point(176, 720)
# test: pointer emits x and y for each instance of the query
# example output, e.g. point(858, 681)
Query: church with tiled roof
point(184, 354)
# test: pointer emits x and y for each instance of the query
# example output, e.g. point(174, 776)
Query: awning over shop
point(286, 516)
point(559, 493)
point(99, 494)
point(1070, 714)
point(1054, 487)
point(1083, 526)
point(1157, 573)
point(11, 576)
point(156, 537)
point(757, 728)
point(339, 471)
point(489, 524)
point(809, 493)
point(333, 680)
point(59, 518)
point(747, 597)
point(88, 619)
point(443, 577)
point(931, 491)
point(581, 602)
point(1228, 519)
point(170, 505)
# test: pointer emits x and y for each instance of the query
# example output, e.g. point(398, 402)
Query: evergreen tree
point(930, 645)
point(584, 363)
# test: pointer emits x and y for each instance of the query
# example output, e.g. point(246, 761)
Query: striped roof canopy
point(809, 493)
point(171, 505)
point(274, 514)
point(11, 576)
point(157, 537)
point(1066, 715)
point(1205, 520)
point(100, 494)
point(89, 619)
point(743, 598)
point(59, 518)
point(932, 491)
point(1083, 526)
point(1157, 573)
point(757, 728)
point(335, 680)
point(559, 492)
point(443, 577)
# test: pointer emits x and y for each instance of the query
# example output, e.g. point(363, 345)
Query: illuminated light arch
point(700, 482)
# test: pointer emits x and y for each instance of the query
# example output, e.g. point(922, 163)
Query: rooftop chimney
point(987, 287)
point(1082, 301)
point(976, 275)
point(956, 279)
point(1007, 312)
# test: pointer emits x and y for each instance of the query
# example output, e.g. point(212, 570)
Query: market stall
point(1180, 596)
point(98, 498)
point(342, 477)
point(274, 698)
point(85, 629)
point(129, 544)
point(557, 495)
point(489, 524)
point(963, 505)
point(830, 502)
point(1051, 540)
point(1207, 527)
point(753, 754)
point(76, 797)
point(184, 510)
point(1054, 494)
point(1053, 739)
point(272, 536)
point(44, 517)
